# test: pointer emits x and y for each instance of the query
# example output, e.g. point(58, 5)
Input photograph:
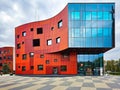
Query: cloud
point(17, 12)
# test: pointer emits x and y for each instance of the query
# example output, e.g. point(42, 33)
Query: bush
point(114, 73)
point(5, 69)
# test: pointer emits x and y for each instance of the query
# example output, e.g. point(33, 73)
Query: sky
point(17, 12)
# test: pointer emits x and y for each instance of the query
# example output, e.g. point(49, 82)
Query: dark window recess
point(24, 33)
point(63, 68)
point(41, 56)
point(31, 54)
point(18, 36)
point(23, 68)
point(17, 55)
point(22, 42)
point(36, 42)
point(18, 66)
point(4, 57)
point(24, 56)
point(0, 64)
point(52, 28)
point(0, 52)
point(47, 61)
point(58, 40)
point(0, 58)
point(9, 57)
point(55, 60)
point(31, 67)
point(60, 24)
point(18, 46)
point(40, 67)
point(31, 29)
point(39, 30)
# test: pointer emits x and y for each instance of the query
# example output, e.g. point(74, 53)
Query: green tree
point(5, 68)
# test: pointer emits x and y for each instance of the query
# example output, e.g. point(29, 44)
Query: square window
point(58, 40)
point(63, 68)
point(41, 56)
point(31, 54)
point(49, 42)
point(36, 42)
point(31, 29)
point(18, 66)
point(24, 33)
point(39, 30)
point(23, 68)
point(17, 55)
point(60, 24)
point(24, 56)
point(40, 67)
point(47, 61)
point(55, 60)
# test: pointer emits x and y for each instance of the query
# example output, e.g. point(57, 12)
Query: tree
point(5, 68)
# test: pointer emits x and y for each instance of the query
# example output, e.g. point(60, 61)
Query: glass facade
point(90, 64)
point(90, 25)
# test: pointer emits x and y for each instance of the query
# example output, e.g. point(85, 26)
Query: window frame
point(49, 42)
point(60, 23)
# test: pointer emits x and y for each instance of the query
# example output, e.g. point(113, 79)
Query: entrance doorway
point(55, 70)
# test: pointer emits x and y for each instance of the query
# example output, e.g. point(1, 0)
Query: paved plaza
point(59, 83)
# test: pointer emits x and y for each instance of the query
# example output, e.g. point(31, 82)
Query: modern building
point(6, 57)
point(72, 42)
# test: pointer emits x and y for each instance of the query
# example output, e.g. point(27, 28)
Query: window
point(66, 55)
point(55, 60)
point(52, 28)
point(18, 46)
point(22, 42)
point(4, 57)
point(49, 42)
point(36, 42)
point(31, 29)
point(0, 58)
point(24, 56)
point(63, 68)
point(0, 52)
point(18, 66)
point(9, 57)
point(60, 24)
point(47, 61)
point(39, 30)
point(75, 15)
point(18, 36)
point(41, 56)
point(31, 54)
point(0, 64)
point(23, 68)
point(17, 55)
point(88, 15)
point(58, 40)
point(24, 33)
point(40, 67)
point(31, 67)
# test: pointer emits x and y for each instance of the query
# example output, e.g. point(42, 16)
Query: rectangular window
point(49, 42)
point(24, 33)
point(41, 56)
point(18, 66)
point(18, 46)
point(17, 55)
point(31, 29)
point(9, 57)
point(18, 36)
point(4, 57)
point(66, 55)
point(63, 68)
point(40, 67)
point(0, 52)
point(58, 40)
point(24, 56)
point(47, 62)
point(88, 15)
point(36, 42)
point(75, 15)
point(0, 58)
point(31, 67)
point(0, 64)
point(60, 24)
point(31, 54)
point(39, 30)
point(23, 68)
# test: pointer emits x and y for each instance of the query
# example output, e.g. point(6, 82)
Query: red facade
point(6, 57)
point(40, 47)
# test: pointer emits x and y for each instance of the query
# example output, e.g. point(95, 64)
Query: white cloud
point(16, 12)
